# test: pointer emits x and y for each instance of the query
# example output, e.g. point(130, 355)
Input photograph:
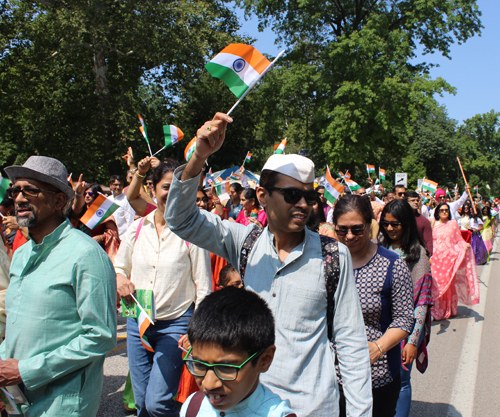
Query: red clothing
point(19, 241)
point(425, 231)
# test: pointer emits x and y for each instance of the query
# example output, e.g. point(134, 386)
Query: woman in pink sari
point(454, 275)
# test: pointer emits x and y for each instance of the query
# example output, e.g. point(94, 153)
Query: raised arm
point(136, 195)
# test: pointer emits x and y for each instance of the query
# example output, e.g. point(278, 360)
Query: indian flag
point(143, 129)
point(488, 186)
point(370, 169)
point(240, 66)
point(235, 176)
point(191, 146)
point(248, 157)
point(476, 188)
point(100, 210)
point(381, 174)
point(429, 185)
point(448, 192)
point(281, 147)
point(353, 185)
point(172, 135)
point(333, 189)
point(221, 186)
point(143, 323)
point(4, 184)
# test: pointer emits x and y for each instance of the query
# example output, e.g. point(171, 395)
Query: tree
point(74, 75)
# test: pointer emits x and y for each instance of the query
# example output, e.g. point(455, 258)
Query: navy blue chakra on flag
point(239, 65)
point(99, 213)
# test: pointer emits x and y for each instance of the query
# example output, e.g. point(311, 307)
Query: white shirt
point(178, 273)
point(454, 206)
point(124, 216)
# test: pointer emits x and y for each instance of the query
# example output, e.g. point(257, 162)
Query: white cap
point(296, 166)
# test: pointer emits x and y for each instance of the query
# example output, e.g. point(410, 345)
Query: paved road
point(464, 361)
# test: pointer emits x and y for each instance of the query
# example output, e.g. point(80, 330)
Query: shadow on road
point(112, 397)
point(423, 409)
point(463, 312)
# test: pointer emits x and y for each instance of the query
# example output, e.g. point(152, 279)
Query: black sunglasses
point(385, 224)
point(27, 192)
point(294, 195)
point(356, 230)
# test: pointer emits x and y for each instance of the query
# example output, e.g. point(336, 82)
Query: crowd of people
point(268, 300)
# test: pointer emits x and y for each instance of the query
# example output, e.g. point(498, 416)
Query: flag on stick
point(370, 169)
point(476, 188)
point(353, 185)
point(235, 176)
point(144, 132)
point(429, 185)
point(488, 186)
point(191, 146)
point(381, 174)
point(71, 181)
point(448, 192)
point(333, 189)
point(4, 184)
point(172, 135)
point(248, 157)
point(100, 210)
point(281, 147)
point(143, 322)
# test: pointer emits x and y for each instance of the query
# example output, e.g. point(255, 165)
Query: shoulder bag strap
point(246, 249)
point(330, 252)
point(195, 404)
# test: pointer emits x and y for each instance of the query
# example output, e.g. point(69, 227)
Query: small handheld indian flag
point(143, 322)
point(144, 132)
point(333, 189)
point(190, 148)
point(429, 185)
point(221, 186)
point(281, 147)
point(235, 176)
point(4, 184)
point(476, 188)
point(370, 169)
point(100, 210)
point(488, 186)
point(381, 174)
point(448, 192)
point(248, 157)
point(353, 185)
point(172, 135)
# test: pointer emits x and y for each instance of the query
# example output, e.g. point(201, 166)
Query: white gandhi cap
point(296, 166)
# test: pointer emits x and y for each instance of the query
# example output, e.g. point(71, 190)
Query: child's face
point(234, 280)
point(224, 395)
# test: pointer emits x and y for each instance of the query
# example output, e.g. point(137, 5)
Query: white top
point(454, 207)
point(178, 273)
point(124, 216)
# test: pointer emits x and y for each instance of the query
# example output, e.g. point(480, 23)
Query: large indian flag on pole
point(100, 210)
point(429, 185)
point(172, 135)
point(240, 66)
point(281, 147)
point(333, 189)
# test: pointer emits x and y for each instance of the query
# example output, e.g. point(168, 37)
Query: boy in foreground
point(232, 338)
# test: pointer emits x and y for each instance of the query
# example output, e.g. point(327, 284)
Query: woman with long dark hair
point(454, 274)
point(251, 210)
point(400, 234)
point(386, 294)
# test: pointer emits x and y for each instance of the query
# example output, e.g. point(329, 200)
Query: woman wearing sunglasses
point(106, 233)
point(400, 234)
point(454, 275)
point(386, 294)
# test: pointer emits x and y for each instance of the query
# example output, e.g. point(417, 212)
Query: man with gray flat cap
point(61, 314)
point(307, 280)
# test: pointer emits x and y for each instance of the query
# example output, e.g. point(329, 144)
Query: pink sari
point(454, 274)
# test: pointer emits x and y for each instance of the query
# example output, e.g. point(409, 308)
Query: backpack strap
point(195, 404)
point(139, 227)
point(330, 252)
point(246, 249)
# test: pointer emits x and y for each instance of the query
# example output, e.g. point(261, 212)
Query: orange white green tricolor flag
point(333, 189)
point(429, 185)
point(143, 323)
point(370, 169)
point(172, 135)
point(381, 174)
point(100, 210)
point(240, 66)
point(248, 157)
point(281, 147)
point(191, 146)
point(353, 185)
point(143, 129)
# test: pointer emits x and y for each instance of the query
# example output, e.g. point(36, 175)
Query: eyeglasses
point(203, 200)
point(148, 183)
point(294, 195)
point(444, 210)
point(386, 224)
point(225, 372)
point(355, 230)
point(29, 193)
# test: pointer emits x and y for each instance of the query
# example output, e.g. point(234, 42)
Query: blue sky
point(474, 69)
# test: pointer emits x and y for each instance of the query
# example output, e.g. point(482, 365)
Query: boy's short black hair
point(234, 319)
point(114, 178)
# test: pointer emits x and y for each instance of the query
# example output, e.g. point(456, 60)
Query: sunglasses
point(27, 192)
point(90, 193)
point(355, 230)
point(386, 224)
point(294, 195)
point(444, 210)
point(203, 200)
point(401, 194)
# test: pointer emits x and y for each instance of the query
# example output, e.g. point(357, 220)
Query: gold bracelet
point(139, 176)
point(379, 348)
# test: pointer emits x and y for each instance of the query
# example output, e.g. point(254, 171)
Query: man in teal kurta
point(61, 314)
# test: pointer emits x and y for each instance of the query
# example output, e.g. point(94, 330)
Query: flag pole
point(255, 82)
point(466, 183)
point(142, 309)
point(149, 147)
point(158, 151)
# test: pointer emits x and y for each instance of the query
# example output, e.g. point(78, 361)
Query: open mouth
point(300, 217)
point(216, 399)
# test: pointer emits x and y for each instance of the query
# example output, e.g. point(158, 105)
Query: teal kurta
point(61, 321)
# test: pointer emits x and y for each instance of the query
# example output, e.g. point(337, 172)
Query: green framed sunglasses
point(225, 372)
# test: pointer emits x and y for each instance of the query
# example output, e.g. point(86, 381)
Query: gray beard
point(26, 221)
